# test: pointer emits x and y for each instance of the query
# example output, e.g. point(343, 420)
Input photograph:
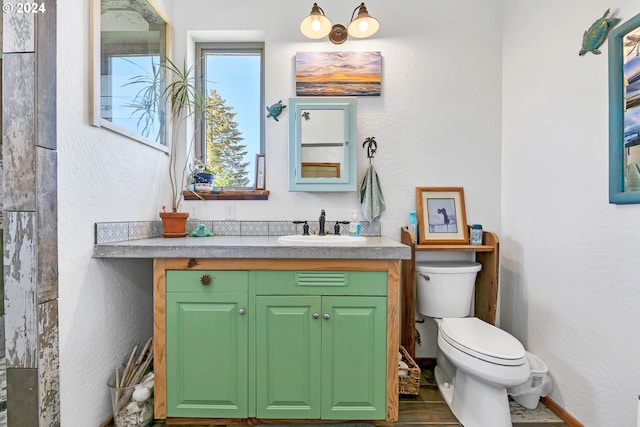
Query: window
point(231, 77)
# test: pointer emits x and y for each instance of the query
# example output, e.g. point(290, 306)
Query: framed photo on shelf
point(441, 215)
point(260, 172)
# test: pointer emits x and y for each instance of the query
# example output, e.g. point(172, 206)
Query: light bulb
point(316, 25)
point(364, 25)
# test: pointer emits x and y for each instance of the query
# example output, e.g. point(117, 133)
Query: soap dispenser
point(354, 224)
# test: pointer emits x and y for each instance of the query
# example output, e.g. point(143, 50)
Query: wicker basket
point(409, 384)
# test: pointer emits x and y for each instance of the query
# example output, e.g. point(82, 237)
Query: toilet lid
point(448, 267)
point(482, 340)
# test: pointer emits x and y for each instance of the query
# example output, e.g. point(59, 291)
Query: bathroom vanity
point(251, 330)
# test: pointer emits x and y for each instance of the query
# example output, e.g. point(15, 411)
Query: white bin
point(528, 393)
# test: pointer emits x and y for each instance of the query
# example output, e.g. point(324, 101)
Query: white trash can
point(528, 393)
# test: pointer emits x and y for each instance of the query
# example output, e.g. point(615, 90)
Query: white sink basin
point(329, 239)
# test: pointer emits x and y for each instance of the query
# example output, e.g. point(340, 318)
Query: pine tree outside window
point(231, 77)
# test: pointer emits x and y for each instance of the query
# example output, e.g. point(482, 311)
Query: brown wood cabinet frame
point(160, 266)
point(486, 289)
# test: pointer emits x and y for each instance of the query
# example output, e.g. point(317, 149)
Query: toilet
point(476, 361)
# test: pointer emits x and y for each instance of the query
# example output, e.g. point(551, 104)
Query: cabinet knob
point(241, 312)
point(326, 316)
point(206, 280)
point(316, 315)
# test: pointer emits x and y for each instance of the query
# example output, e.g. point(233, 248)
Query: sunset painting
point(338, 73)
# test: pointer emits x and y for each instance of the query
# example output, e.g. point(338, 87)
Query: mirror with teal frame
point(624, 112)
point(322, 144)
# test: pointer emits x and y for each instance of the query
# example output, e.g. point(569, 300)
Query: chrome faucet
point(322, 219)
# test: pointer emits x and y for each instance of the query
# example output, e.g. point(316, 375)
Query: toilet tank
point(445, 288)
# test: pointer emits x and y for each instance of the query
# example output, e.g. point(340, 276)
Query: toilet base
point(473, 402)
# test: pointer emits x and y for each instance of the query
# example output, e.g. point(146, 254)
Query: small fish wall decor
point(597, 33)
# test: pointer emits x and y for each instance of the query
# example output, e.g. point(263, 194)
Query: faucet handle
point(305, 227)
point(336, 228)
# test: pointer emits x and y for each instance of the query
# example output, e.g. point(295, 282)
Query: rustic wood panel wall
point(1, 216)
point(29, 197)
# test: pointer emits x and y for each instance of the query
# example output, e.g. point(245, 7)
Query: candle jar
point(476, 235)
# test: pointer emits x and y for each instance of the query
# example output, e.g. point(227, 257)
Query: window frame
point(201, 50)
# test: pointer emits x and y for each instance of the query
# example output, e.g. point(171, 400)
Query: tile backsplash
point(108, 232)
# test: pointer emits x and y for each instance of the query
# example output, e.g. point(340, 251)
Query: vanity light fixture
point(317, 25)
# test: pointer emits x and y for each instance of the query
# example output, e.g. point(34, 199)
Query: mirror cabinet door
point(322, 134)
point(129, 46)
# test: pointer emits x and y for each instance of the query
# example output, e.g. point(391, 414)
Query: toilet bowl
point(476, 361)
point(476, 364)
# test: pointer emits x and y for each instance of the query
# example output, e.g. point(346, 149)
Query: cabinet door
point(354, 358)
point(288, 356)
point(207, 352)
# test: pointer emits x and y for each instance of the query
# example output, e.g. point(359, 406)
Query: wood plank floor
point(428, 409)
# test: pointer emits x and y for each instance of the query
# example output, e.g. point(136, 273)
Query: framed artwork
point(338, 73)
point(260, 172)
point(624, 112)
point(441, 215)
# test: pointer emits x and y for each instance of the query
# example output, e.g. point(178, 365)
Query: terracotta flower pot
point(174, 223)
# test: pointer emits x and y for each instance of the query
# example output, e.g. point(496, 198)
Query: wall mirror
point(624, 112)
point(322, 135)
point(129, 43)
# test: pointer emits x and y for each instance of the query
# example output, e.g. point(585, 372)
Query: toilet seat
point(481, 340)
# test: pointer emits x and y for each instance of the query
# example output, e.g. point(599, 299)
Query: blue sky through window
point(236, 77)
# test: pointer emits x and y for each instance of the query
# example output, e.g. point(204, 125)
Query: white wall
point(105, 306)
point(569, 258)
point(437, 123)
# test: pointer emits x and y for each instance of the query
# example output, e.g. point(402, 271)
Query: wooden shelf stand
point(486, 289)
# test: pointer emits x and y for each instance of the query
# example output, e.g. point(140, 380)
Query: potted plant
point(201, 177)
point(186, 103)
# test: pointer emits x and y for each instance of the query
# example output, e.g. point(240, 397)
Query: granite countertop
point(249, 247)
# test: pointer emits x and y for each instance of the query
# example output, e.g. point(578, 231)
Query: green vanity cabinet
point(321, 345)
point(354, 358)
point(261, 344)
point(288, 362)
point(207, 344)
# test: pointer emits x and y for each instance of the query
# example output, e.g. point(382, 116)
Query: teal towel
point(633, 177)
point(371, 199)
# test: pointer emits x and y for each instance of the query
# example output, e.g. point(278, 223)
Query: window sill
point(227, 195)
